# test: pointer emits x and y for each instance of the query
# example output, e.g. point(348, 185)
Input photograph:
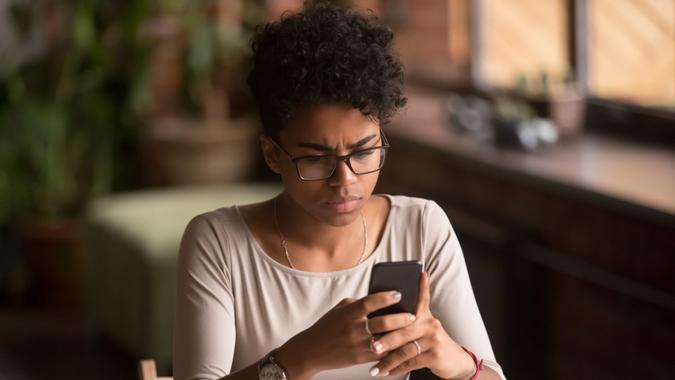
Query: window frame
point(605, 115)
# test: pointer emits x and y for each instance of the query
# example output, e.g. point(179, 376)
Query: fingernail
point(412, 317)
point(374, 371)
point(396, 296)
point(385, 373)
point(378, 347)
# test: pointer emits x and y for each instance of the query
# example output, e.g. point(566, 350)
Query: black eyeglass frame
point(346, 158)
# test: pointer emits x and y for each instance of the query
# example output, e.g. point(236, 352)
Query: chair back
point(147, 370)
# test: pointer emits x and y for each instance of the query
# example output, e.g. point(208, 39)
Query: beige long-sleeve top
point(235, 303)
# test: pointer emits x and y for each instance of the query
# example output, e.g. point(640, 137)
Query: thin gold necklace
point(284, 243)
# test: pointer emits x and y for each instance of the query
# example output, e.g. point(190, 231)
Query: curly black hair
point(324, 54)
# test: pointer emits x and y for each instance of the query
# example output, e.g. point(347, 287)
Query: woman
point(278, 289)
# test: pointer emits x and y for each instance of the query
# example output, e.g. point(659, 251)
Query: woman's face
point(327, 129)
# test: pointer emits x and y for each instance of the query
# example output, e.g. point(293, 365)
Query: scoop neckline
point(260, 251)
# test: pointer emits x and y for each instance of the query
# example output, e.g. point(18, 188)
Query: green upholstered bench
point(131, 244)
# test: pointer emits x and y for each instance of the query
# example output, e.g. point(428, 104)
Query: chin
point(342, 220)
point(341, 216)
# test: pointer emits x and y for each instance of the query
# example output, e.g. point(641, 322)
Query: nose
point(342, 175)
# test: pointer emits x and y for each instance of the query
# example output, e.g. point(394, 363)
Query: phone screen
point(402, 276)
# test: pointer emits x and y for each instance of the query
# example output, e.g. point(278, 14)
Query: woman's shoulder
point(215, 222)
point(405, 201)
point(214, 237)
point(413, 205)
point(418, 214)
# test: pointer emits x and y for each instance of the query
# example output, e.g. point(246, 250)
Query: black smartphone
point(402, 276)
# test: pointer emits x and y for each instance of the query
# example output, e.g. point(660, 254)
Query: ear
point(270, 153)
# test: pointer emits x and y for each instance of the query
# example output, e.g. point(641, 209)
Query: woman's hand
point(437, 351)
point(343, 336)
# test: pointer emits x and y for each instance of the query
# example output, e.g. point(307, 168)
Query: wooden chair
point(148, 371)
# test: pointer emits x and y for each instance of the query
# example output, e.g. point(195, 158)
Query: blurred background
point(544, 128)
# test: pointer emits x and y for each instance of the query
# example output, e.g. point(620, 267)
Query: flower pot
point(181, 151)
point(567, 110)
point(53, 259)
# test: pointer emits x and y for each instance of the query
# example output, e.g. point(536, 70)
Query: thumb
point(424, 297)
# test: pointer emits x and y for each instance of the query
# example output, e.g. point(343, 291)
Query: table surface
point(630, 175)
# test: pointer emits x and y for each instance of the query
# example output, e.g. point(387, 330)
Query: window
point(520, 42)
point(631, 51)
point(617, 49)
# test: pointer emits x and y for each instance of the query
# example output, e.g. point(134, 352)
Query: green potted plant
point(567, 107)
point(64, 114)
point(205, 140)
point(558, 98)
point(516, 125)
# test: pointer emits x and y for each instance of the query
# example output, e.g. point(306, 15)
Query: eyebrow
point(325, 148)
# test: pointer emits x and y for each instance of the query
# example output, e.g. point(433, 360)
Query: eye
point(315, 159)
point(364, 153)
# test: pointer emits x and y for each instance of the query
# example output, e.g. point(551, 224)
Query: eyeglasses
point(320, 167)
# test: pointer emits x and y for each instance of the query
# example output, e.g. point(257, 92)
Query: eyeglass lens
point(321, 167)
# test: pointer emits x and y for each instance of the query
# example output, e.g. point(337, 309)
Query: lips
point(344, 205)
point(346, 199)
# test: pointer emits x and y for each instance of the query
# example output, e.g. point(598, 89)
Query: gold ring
point(417, 345)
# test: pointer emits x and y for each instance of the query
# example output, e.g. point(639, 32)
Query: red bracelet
point(479, 364)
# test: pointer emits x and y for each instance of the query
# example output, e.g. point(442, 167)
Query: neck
point(304, 232)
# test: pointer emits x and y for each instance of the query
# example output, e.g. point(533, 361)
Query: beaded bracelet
point(479, 364)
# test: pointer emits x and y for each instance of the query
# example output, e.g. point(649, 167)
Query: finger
point(405, 358)
point(361, 352)
point(421, 359)
point(386, 323)
point(368, 356)
point(417, 362)
point(365, 351)
point(397, 338)
point(375, 301)
point(345, 302)
point(424, 296)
